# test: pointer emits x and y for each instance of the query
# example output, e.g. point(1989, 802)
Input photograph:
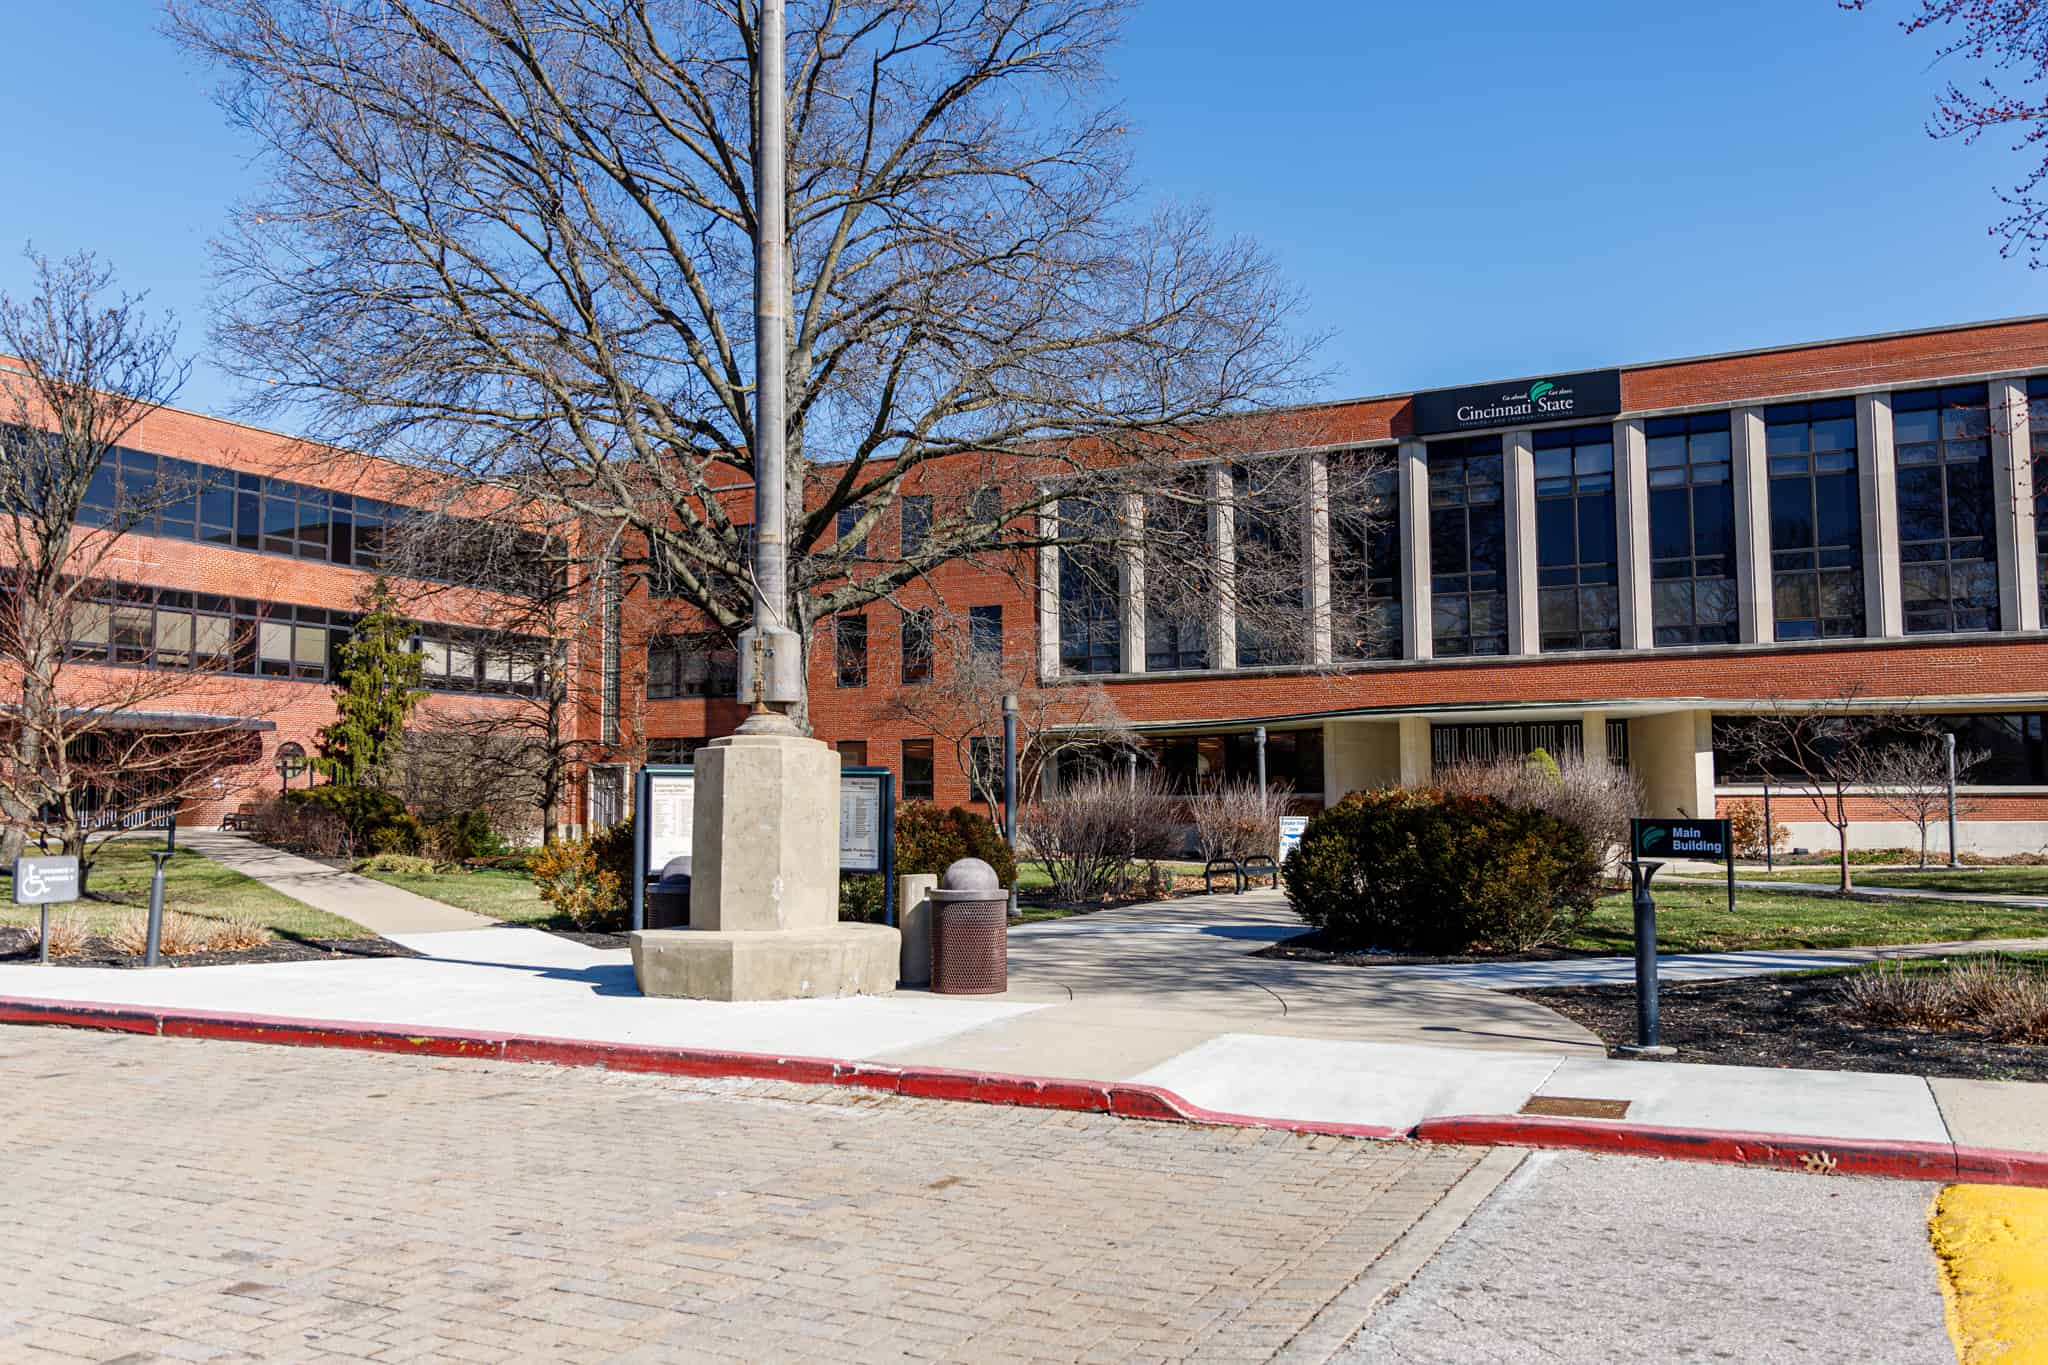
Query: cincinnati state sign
point(1560, 398)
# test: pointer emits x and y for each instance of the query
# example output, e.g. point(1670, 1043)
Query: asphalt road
point(1587, 1258)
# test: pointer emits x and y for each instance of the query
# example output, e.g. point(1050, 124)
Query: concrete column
point(1414, 751)
point(1049, 593)
point(1315, 556)
point(1673, 757)
point(1593, 736)
point(1130, 575)
point(1518, 487)
point(1757, 615)
point(2012, 476)
point(1359, 755)
point(1223, 542)
point(914, 916)
point(1632, 533)
point(1412, 485)
point(1877, 477)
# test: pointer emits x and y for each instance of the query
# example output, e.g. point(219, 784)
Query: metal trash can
point(668, 903)
point(970, 931)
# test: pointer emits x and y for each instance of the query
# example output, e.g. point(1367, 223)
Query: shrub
point(1095, 827)
point(401, 837)
point(376, 820)
point(1746, 829)
point(929, 839)
point(2007, 1000)
point(614, 848)
point(463, 836)
point(316, 830)
point(1594, 796)
point(182, 935)
point(68, 933)
point(861, 897)
point(406, 863)
point(571, 878)
point(1237, 819)
point(1437, 872)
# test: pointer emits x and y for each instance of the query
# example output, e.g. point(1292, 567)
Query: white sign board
point(671, 810)
point(45, 881)
point(860, 824)
point(1292, 827)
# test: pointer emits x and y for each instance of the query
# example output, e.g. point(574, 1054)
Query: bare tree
point(962, 703)
point(1910, 779)
point(513, 238)
point(86, 746)
point(1828, 750)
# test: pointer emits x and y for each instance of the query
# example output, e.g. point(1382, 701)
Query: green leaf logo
point(1539, 388)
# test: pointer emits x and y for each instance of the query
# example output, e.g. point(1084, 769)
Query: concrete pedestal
point(914, 914)
point(764, 894)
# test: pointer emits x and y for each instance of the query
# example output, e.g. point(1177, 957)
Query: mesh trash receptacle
point(970, 931)
point(668, 901)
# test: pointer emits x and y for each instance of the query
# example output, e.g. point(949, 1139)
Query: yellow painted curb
point(1992, 1243)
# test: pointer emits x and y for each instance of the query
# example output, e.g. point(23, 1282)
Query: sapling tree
point(377, 687)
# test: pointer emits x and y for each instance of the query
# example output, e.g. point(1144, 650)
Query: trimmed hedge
point(929, 839)
point(1428, 872)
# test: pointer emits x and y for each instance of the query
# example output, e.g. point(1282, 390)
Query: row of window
point(916, 635)
point(157, 495)
point(168, 628)
point(1946, 521)
point(915, 776)
point(2013, 746)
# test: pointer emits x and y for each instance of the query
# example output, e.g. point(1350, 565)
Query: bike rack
point(1247, 870)
point(1235, 868)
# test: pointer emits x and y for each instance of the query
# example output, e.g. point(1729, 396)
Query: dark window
point(985, 508)
point(694, 665)
point(1816, 519)
point(675, 748)
point(1941, 442)
point(1450, 745)
point(2037, 440)
point(1692, 530)
point(917, 770)
point(853, 753)
point(1365, 561)
point(850, 650)
point(917, 522)
point(1467, 548)
point(1091, 624)
point(1179, 594)
point(1577, 601)
point(917, 647)
point(1266, 526)
point(2013, 742)
point(849, 518)
point(985, 631)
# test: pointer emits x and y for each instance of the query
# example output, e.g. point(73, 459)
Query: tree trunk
point(1842, 842)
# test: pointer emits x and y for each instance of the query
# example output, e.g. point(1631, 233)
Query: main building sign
point(1560, 398)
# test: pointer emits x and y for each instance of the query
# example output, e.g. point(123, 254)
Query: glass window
point(1577, 597)
point(985, 631)
point(1816, 519)
point(696, 665)
point(1365, 556)
point(1467, 548)
point(212, 642)
point(917, 770)
point(1948, 545)
point(1692, 529)
point(134, 633)
point(917, 522)
point(853, 753)
point(90, 625)
point(1266, 523)
point(433, 657)
point(309, 651)
point(173, 639)
point(1091, 624)
point(2037, 440)
point(274, 648)
point(1178, 590)
point(461, 663)
point(849, 518)
point(916, 640)
point(985, 508)
point(850, 650)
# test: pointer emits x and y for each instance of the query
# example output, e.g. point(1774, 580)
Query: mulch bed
point(1788, 1022)
point(19, 945)
point(1313, 947)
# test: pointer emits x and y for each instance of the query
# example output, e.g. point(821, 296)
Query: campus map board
point(671, 808)
point(860, 823)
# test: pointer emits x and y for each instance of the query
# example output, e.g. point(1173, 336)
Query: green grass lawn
point(500, 893)
point(193, 885)
point(1031, 874)
point(1988, 881)
point(1695, 919)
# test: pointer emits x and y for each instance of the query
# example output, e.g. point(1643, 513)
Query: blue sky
point(1465, 190)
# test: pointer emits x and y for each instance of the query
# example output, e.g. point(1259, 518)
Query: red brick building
point(1624, 561)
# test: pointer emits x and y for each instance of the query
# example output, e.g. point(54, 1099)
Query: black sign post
point(1519, 402)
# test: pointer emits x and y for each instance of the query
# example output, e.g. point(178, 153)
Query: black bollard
point(156, 908)
point(1648, 1043)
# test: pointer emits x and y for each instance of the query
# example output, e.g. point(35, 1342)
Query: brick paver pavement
point(181, 1200)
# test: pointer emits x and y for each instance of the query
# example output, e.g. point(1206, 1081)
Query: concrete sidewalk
point(1156, 1010)
point(1909, 893)
point(383, 909)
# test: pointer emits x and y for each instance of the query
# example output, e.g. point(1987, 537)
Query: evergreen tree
point(377, 690)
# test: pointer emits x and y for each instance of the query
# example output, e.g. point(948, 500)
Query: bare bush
point(179, 935)
point(236, 935)
point(318, 831)
point(1594, 796)
point(1746, 828)
point(1237, 819)
point(2007, 1000)
point(1091, 832)
point(68, 933)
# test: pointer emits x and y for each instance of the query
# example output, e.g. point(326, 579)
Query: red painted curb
point(1819, 1156)
point(1891, 1160)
